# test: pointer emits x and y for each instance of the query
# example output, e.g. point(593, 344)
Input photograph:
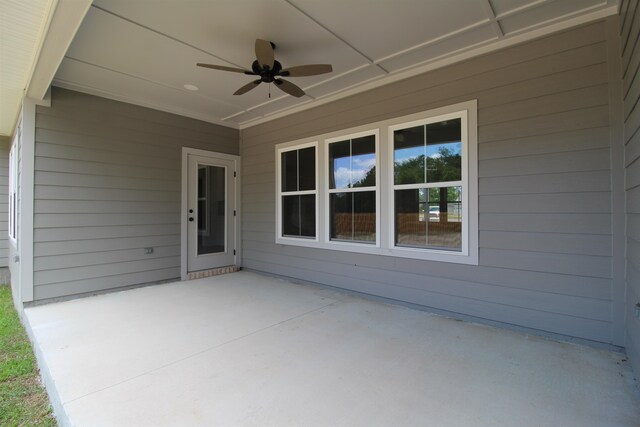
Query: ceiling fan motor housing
point(267, 75)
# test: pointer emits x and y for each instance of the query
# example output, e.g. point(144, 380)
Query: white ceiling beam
point(66, 19)
point(337, 37)
point(522, 9)
point(491, 14)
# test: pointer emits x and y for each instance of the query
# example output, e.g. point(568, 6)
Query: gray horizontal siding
point(107, 185)
point(544, 189)
point(112, 281)
point(630, 38)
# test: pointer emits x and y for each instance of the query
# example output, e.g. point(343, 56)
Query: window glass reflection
point(299, 215)
point(429, 218)
point(353, 216)
point(408, 155)
point(308, 215)
point(307, 169)
point(289, 170)
point(363, 162)
point(428, 153)
point(340, 164)
point(352, 163)
point(211, 212)
point(444, 151)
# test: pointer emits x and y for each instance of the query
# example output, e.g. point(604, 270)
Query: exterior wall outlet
point(148, 250)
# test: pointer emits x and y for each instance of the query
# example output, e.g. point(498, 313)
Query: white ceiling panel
point(377, 27)
point(93, 78)
point(431, 52)
point(228, 29)
point(116, 44)
point(545, 12)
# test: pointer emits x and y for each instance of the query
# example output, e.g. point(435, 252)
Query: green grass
point(23, 400)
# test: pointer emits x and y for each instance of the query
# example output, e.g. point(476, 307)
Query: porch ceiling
point(144, 52)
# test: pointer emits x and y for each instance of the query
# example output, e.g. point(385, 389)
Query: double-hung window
point(352, 189)
point(404, 187)
point(297, 204)
point(13, 186)
point(427, 184)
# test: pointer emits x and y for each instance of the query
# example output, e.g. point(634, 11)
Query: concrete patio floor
point(245, 349)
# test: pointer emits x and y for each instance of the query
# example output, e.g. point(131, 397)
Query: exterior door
point(210, 212)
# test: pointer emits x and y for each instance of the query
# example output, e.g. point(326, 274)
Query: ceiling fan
point(271, 71)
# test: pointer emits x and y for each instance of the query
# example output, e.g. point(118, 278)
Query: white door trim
point(186, 151)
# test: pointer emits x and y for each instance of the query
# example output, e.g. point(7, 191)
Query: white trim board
point(26, 209)
point(61, 29)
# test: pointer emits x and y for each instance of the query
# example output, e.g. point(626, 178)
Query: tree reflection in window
point(352, 190)
point(428, 178)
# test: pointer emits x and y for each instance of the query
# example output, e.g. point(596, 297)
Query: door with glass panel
point(211, 214)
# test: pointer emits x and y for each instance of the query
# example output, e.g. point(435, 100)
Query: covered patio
point(248, 349)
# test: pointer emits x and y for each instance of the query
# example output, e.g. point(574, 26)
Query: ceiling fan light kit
point(271, 71)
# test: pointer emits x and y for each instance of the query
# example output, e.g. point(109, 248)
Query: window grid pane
point(352, 163)
point(444, 151)
point(299, 215)
point(429, 218)
point(307, 169)
point(298, 188)
point(409, 151)
point(289, 170)
point(352, 205)
point(428, 153)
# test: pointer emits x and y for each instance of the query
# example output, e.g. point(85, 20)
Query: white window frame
point(280, 238)
point(327, 214)
point(431, 253)
point(385, 187)
point(12, 222)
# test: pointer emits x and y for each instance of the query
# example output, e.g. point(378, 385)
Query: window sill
point(398, 252)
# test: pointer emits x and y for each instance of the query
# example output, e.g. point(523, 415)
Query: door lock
point(190, 219)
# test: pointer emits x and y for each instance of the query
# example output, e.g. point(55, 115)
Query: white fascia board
point(62, 28)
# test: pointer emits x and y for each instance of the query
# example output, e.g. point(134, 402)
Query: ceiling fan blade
point(264, 53)
point(223, 68)
point(246, 88)
point(289, 88)
point(307, 70)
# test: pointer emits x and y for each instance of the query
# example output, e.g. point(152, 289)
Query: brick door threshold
point(213, 272)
